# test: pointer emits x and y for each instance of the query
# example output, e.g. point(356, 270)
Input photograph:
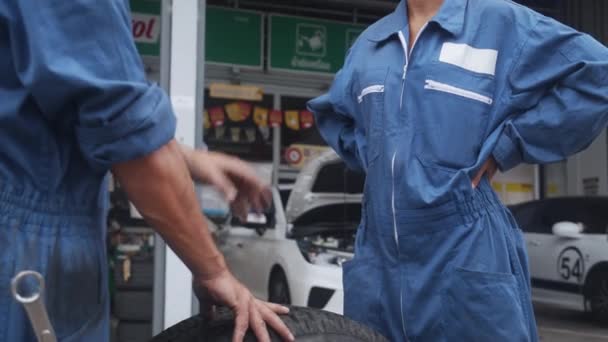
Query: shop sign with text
point(145, 25)
point(299, 44)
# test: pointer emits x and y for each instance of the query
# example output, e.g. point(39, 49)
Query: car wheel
point(598, 297)
point(307, 325)
point(278, 289)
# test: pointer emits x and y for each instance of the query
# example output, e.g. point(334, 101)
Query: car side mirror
point(569, 230)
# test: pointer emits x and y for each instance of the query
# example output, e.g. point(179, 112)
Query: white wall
point(556, 179)
point(516, 185)
point(587, 166)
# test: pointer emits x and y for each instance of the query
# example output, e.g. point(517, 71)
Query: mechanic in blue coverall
point(74, 103)
point(431, 100)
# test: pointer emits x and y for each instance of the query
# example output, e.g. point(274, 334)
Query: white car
point(567, 244)
point(293, 254)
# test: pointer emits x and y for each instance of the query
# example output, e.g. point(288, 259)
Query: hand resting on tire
point(224, 289)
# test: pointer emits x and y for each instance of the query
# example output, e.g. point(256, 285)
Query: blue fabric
point(74, 100)
point(435, 259)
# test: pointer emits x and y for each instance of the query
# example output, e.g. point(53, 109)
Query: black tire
point(308, 325)
point(278, 288)
point(598, 297)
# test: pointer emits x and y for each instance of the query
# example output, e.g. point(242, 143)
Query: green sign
point(308, 45)
point(234, 37)
point(145, 23)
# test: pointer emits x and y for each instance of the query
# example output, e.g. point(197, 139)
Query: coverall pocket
point(362, 286)
point(370, 99)
point(482, 306)
point(456, 110)
point(76, 284)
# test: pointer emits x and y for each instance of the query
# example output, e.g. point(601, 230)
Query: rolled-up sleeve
point(558, 93)
point(79, 61)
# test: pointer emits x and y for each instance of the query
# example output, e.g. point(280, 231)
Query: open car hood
point(304, 197)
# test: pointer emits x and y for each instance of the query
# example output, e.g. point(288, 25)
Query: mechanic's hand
point(489, 169)
point(234, 178)
point(224, 289)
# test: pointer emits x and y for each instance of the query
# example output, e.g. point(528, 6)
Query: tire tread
point(302, 322)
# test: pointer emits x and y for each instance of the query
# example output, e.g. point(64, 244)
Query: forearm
point(188, 156)
point(159, 185)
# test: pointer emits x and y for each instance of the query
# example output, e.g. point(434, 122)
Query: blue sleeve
point(558, 94)
point(335, 116)
point(79, 61)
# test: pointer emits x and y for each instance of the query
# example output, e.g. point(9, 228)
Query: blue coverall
point(74, 100)
point(437, 260)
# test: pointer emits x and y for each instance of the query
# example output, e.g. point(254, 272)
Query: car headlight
point(320, 255)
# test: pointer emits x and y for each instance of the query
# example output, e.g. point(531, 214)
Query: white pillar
point(178, 295)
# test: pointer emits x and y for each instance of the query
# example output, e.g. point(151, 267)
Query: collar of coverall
point(450, 17)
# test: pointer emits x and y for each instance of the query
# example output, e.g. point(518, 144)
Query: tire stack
point(133, 298)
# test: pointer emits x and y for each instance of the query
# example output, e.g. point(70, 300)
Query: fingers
point(238, 182)
point(257, 323)
point(488, 169)
point(240, 208)
point(241, 322)
point(259, 314)
point(218, 179)
point(277, 308)
point(266, 197)
point(256, 202)
point(241, 170)
point(246, 180)
point(269, 316)
point(245, 174)
point(206, 307)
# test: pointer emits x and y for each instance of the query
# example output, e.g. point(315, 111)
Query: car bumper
point(312, 280)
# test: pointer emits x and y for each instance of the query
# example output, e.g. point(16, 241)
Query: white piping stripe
point(393, 199)
point(404, 46)
point(370, 90)
point(406, 53)
point(446, 88)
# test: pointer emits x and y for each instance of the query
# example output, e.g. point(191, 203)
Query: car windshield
point(334, 218)
point(337, 178)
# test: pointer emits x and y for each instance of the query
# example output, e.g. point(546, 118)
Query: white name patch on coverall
point(481, 61)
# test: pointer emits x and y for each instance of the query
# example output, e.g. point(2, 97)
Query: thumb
point(205, 301)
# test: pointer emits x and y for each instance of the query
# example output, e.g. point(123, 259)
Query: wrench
point(34, 306)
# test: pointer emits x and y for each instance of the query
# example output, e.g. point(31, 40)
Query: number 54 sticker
point(571, 264)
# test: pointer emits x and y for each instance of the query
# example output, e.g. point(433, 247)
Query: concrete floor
point(560, 325)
